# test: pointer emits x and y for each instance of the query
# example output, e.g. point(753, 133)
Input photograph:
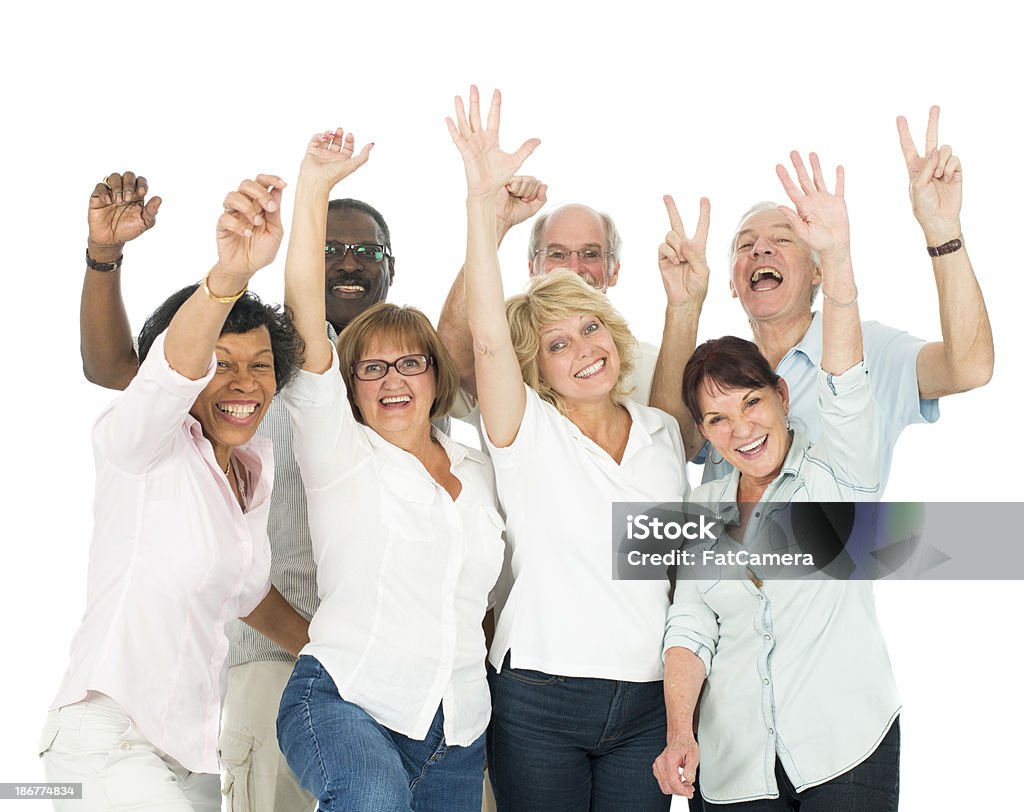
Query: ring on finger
point(106, 182)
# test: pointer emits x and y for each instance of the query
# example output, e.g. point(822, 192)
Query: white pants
point(93, 742)
point(256, 776)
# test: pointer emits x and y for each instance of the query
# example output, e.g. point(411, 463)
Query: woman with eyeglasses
point(799, 708)
point(578, 708)
point(388, 703)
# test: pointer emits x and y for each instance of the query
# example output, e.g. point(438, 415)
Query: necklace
point(238, 480)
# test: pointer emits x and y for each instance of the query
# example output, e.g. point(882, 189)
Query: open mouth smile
point(765, 279)
point(395, 401)
point(240, 414)
point(593, 369)
point(754, 448)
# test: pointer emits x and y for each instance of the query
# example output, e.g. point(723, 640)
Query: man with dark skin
point(359, 272)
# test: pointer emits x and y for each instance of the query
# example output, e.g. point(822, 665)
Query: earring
point(787, 423)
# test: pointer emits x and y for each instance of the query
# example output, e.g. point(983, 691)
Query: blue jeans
point(350, 761)
point(871, 786)
point(570, 744)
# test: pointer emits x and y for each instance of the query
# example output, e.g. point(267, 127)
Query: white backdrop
point(630, 104)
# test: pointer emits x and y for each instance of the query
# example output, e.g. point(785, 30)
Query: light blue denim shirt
point(796, 669)
point(890, 354)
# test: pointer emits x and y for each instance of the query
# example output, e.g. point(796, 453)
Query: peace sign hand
point(936, 181)
point(683, 261)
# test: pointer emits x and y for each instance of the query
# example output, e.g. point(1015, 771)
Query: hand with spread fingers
point(330, 157)
point(936, 187)
point(820, 218)
point(118, 213)
point(249, 231)
point(488, 169)
point(683, 260)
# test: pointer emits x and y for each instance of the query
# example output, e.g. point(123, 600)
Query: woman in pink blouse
point(179, 545)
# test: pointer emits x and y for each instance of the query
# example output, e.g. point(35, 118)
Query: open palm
point(488, 168)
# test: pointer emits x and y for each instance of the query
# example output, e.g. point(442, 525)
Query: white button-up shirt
point(564, 613)
point(403, 572)
point(173, 559)
point(798, 669)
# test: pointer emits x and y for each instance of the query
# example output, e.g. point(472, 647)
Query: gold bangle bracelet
point(221, 299)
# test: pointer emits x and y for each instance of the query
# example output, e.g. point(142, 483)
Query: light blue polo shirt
point(891, 357)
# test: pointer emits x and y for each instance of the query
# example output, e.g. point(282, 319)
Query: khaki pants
point(256, 776)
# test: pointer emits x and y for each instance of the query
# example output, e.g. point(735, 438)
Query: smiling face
point(577, 229)
point(395, 404)
point(234, 402)
point(773, 274)
point(747, 427)
point(353, 285)
point(578, 358)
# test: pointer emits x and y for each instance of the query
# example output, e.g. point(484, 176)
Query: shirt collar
point(457, 453)
point(724, 498)
point(811, 344)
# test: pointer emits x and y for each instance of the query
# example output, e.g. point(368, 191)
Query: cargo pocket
point(236, 755)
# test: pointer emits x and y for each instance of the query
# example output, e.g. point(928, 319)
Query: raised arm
point(329, 158)
point(964, 358)
point(118, 213)
point(248, 236)
point(517, 201)
point(499, 380)
point(684, 272)
point(821, 221)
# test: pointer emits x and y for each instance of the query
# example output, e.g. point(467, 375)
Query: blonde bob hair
point(559, 295)
point(405, 327)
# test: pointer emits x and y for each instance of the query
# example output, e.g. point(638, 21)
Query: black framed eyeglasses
point(373, 369)
point(368, 252)
point(556, 253)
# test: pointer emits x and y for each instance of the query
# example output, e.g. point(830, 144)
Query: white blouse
point(403, 572)
point(564, 614)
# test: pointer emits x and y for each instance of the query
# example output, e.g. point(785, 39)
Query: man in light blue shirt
point(776, 278)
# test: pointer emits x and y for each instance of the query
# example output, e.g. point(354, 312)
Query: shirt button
point(760, 597)
point(126, 746)
point(771, 732)
point(767, 637)
point(757, 515)
point(765, 681)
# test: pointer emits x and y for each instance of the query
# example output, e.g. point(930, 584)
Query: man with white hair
point(776, 277)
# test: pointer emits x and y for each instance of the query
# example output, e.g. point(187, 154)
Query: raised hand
point(331, 156)
point(820, 219)
point(488, 169)
point(936, 189)
point(119, 211)
point(249, 231)
point(518, 200)
point(683, 261)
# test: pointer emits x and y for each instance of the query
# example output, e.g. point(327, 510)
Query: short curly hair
point(248, 313)
point(555, 296)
